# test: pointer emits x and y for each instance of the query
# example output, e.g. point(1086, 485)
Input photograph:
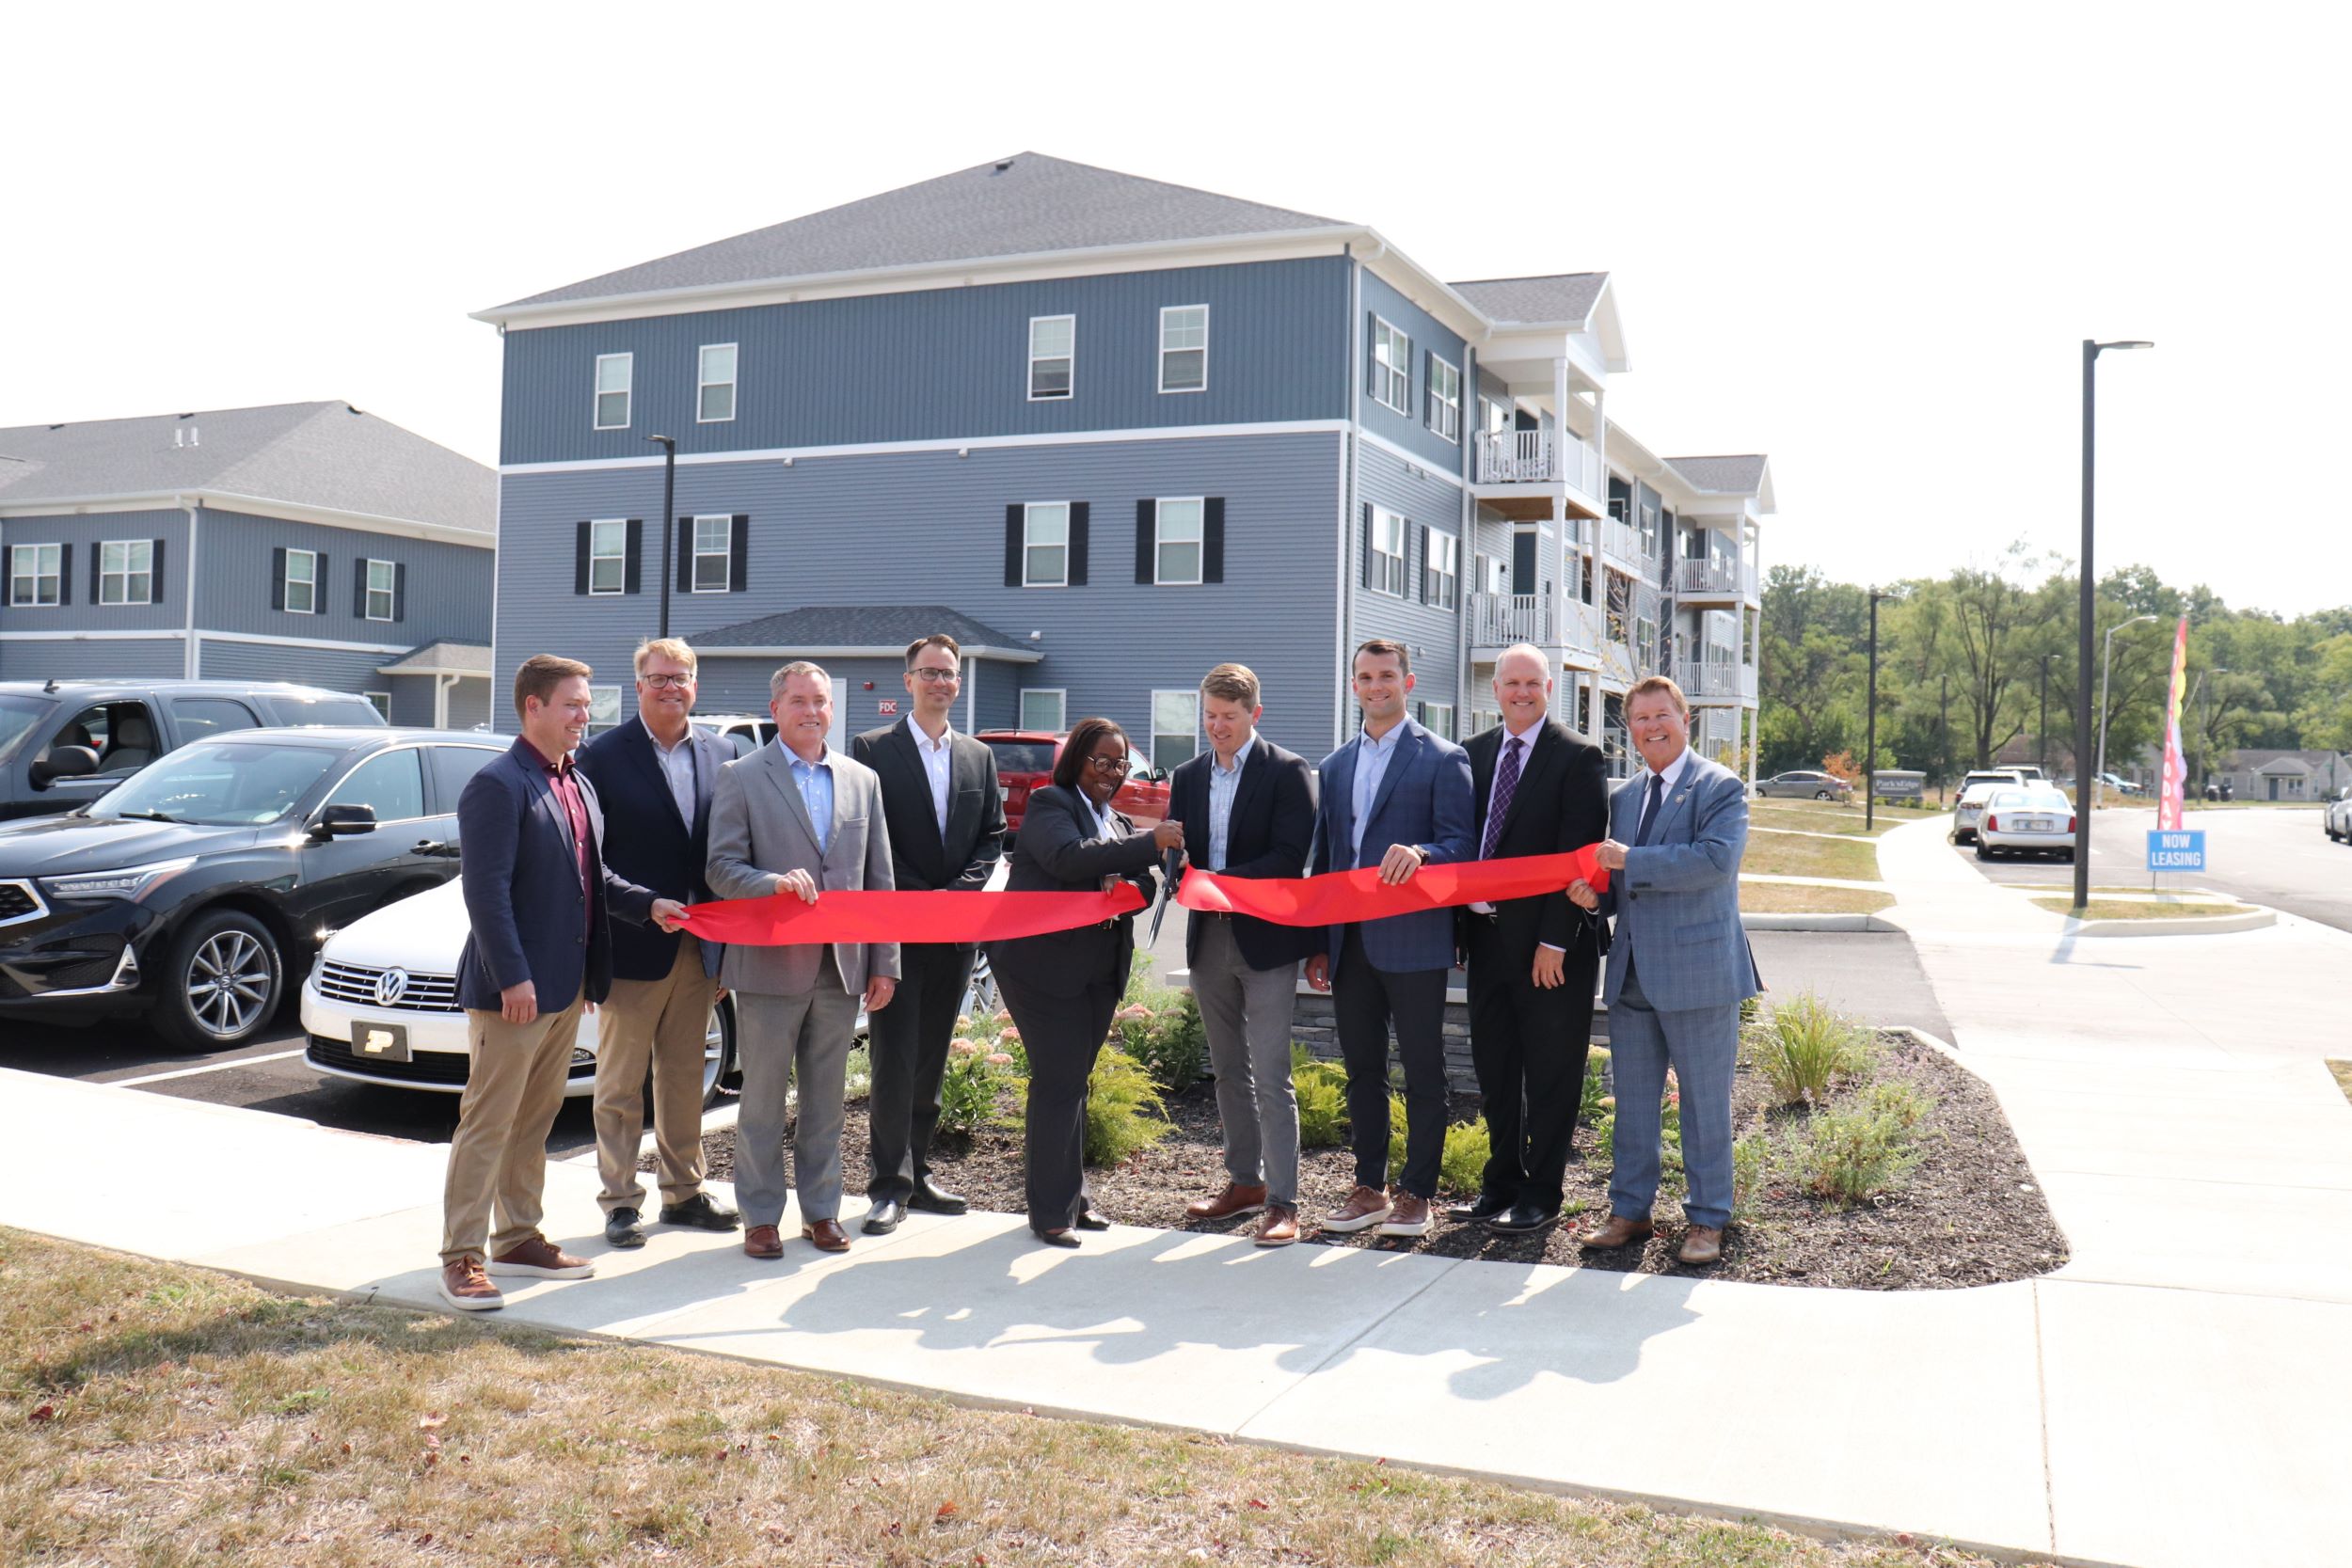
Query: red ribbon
point(1344, 897)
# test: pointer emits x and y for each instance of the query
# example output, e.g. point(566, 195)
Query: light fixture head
point(2129, 343)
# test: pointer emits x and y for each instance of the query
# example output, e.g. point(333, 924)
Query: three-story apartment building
point(1110, 432)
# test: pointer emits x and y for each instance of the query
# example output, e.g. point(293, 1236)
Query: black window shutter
point(65, 574)
point(358, 588)
point(1372, 366)
point(1421, 577)
point(686, 555)
point(97, 560)
point(579, 558)
point(1212, 539)
point(1367, 571)
point(739, 552)
point(1147, 530)
point(632, 566)
point(1014, 516)
point(1523, 562)
point(400, 591)
point(318, 580)
point(1078, 516)
point(277, 577)
point(155, 572)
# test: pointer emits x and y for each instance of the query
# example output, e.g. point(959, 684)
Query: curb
point(1816, 922)
point(2188, 926)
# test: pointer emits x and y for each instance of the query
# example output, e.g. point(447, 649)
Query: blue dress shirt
point(815, 780)
point(1371, 764)
point(1224, 784)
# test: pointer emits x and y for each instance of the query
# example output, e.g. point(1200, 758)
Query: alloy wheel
point(228, 983)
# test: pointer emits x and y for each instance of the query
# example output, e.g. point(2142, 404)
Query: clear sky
point(1866, 239)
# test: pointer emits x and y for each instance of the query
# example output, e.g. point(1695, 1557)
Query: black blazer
point(655, 849)
point(1561, 803)
point(1060, 850)
point(529, 917)
point(920, 857)
point(1268, 835)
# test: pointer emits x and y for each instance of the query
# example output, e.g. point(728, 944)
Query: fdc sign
point(2176, 851)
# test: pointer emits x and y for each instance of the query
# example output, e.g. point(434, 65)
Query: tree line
point(1970, 663)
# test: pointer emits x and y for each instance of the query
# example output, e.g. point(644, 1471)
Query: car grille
point(446, 1068)
point(18, 902)
point(359, 983)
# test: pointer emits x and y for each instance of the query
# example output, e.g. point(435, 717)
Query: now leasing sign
point(2181, 850)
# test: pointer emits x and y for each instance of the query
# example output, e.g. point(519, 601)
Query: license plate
point(2035, 825)
point(380, 1042)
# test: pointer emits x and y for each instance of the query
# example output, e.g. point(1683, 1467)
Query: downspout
point(972, 698)
point(1349, 506)
point(1465, 534)
point(441, 683)
point(191, 658)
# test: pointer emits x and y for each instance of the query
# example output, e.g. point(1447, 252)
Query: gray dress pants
point(806, 1035)
point(1246, 1014)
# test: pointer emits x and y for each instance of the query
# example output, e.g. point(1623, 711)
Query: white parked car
point(1970, 808)
point(2336, 817)
point(2030, 821)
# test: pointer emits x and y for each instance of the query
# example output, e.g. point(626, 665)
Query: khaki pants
point(498, 1158)
point(665, 1021)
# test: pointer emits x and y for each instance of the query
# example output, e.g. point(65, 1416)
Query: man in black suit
point(1249, 810)
point(656, 773)
point(1541, 789)
point(538, 951)
point(946, 820)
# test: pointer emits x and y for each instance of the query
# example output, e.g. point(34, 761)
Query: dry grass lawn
point(1827, 816)
point(157, 1415)
point(1805, 898)
point(2139, 909)
point(1772, 854)
point(2343, 1071)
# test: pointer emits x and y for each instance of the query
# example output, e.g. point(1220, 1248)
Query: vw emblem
point(390, 986)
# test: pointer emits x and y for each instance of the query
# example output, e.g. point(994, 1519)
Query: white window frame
point(1190, 694)
point(598, 392)
point(391, 589)
point(1029, 521)
point(606, 700)
point(146, 547)
point(1392, 367)
point(1166, 312)
point(1160, 541)
point(703, 383)
point(1437, 718)
point(1443, 588)
point(1061, 708)
point(309, 582)
point(1387, 570)
point(618, 555)
point(1645, 645)
point(383, 701)
point(32, 577)
point(1445, 413)
point(1069, 359)
point(696, 555)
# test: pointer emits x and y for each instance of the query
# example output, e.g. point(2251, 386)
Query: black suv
point(65, 743)
point(195, 887)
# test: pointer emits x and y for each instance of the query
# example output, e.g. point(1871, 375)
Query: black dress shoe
point(1093, 1221)
point(1522, 1219)
point(931, 1199)
point(703, 1213)
point(1056, 1238)
point(621, 1228)
point(1486, 1208)
point(883, 1217)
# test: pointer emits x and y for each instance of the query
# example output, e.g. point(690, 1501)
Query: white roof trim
point(894, 650)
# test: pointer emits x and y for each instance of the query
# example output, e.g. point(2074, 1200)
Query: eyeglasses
point(933, 677)
point(658, 681)
point(1109, 764)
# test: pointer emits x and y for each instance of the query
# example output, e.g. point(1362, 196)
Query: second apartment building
point(1111, 432)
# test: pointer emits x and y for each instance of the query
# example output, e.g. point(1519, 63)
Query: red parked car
point(1024, 761)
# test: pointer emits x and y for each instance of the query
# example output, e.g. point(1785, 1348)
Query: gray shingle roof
point(440, 658)
point(1738, 475)
point(853, 626)
point(1564, 297)
point(325, 455)
point(1018, 206)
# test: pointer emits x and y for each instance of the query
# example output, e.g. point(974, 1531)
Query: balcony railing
point(1620, 539)
point(1616, 747)
point(1725, 578)
point(1721, 678)
point(1539, 458)
point(1499, 619)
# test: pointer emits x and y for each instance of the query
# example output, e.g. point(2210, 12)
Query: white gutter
point(265, 506)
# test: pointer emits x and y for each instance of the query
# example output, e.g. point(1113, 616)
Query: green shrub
point(1589, 1109)
point(973, 1086)
point(1165, 1032)
point(1124, 1111)
point(1462, 1168)
point(1859, 1151)
point(1807, 1048)
point(1322, 1090)
point(1751, 1156)
point(857, 1075)
point(1396, 1135)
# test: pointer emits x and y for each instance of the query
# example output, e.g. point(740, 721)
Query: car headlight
point(129, 882)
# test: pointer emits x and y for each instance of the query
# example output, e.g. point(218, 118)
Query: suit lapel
point(1246, 790)
point(910, 758)
point(708, 759)
point(1342, 794)
point(1407, 748)
point(1540, 753)
point(543, 799)
point(780, 772)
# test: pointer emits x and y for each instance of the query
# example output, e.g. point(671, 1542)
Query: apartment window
point(604, 708)
point(608, 556)
point(1645, 642)
point(1052, 349)
point(1176, 548)
point(1620, 608)
point(382, 577)
point(1445, 399)
point(380, 701)
point(1650, 531)
point(613, 374)
point(1388, 553)
point(34, 573)
point(302, 581)
point(1184, 348)
point(714, 547)
point(1438, 717)
point(125, 571)
point(1441, 571)
point(1175, 727)
point(714, 385)
point(1043, 709)
point(1045, 545)
point(1392, 367)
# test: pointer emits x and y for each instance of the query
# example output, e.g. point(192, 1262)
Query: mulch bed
point(1970, 1214)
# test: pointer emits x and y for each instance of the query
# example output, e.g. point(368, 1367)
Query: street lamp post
point(2085, 614)
point(2042, 735)
point(1870, 725)
point(2204, 750)
point(669, 519)
point(2107, 655)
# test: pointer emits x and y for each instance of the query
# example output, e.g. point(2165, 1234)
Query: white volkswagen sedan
point(2030, 821)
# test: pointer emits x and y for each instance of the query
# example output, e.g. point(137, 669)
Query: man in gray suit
point(1678, 968)
point(798, 818)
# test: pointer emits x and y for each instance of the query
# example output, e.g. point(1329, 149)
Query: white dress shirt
point(936, 756)
point(1224, 787)
point(677, 767)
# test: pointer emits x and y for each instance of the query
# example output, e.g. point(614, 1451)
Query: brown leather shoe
point(1703, 1244)
point(1235, 1199)
point(1408, 1215)
point(762, 1241)
point(827, 1234)
point(465, 1286)
point(1281, 1225)
point(1365, 1206)
point(1620, 1231)
point(540, 1258)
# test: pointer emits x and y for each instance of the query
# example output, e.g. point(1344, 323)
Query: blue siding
point(447, 596)
point(337, 670)
point(1412, 430)
point(928, 528)
point(1430, 632)
point(107, 658)
point(940, 363)
point(85, 535)
point(412, 700)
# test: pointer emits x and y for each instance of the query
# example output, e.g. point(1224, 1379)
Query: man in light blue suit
point(1399, 798)
point(1678, 968)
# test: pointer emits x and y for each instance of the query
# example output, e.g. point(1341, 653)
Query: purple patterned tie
point(1506, 785)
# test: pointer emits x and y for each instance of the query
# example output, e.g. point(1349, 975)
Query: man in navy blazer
point(1399, 798)
point(656, 772)
point(538, 953)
